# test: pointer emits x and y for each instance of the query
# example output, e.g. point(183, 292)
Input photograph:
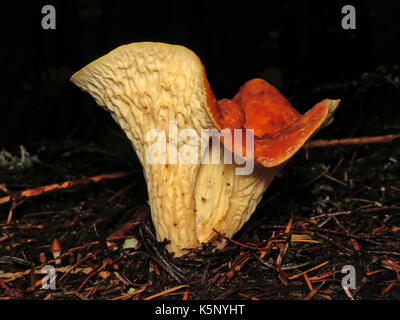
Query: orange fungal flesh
point(267, 110)
point(232, 115)
point(271, 151)
point(279, 130)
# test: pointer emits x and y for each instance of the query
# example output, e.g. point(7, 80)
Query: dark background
point(300, 47)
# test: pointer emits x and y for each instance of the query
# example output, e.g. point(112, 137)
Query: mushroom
point(278, 133)
point(159, 94)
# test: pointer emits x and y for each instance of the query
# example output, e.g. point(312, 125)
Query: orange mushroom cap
point(279, 129)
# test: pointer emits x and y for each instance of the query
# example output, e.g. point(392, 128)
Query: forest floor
point(320, 214)
point(331, 209)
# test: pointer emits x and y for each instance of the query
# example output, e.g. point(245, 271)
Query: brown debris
point(290, 249)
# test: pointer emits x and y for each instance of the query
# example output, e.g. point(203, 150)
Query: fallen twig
point(305, 272)
point(166, 291)
point(314, 292)
point(17, 197)
point(130, 295)
point(350, 141)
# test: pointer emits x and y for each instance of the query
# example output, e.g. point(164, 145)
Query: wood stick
point(350, 141)
point(17, 197)
point(20, 195)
